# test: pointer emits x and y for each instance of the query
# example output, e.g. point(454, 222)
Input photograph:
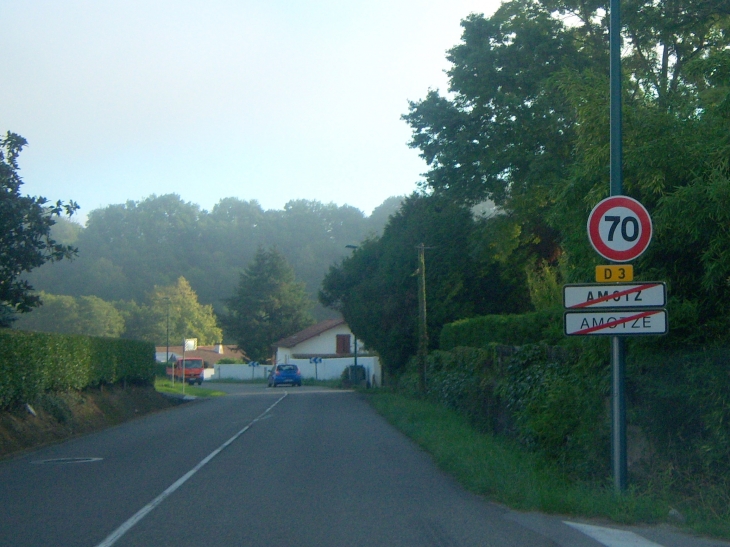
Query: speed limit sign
point(619, 228)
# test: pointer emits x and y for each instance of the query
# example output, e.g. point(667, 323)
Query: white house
point(324, 350)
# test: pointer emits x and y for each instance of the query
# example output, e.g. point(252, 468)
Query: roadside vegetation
point(504, 471)
point(164, 385)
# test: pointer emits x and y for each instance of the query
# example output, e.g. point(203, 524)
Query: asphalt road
point(260, 467)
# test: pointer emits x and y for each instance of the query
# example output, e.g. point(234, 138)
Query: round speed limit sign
point(619, 228)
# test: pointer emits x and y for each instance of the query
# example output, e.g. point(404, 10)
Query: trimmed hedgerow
point(512, 330)
point(32, 363)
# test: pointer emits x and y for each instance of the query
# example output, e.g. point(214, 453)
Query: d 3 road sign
point(627, 295)
point(616, 322)
point(619, 228)
point(614, 274)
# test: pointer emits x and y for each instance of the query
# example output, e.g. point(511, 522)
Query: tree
point(174, 310)
point(526, 125)
point(87, 315)
point(25, 233)
point(375, 289)
point(127, 249)
point(268, 304)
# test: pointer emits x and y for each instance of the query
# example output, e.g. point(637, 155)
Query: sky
point(267, 100)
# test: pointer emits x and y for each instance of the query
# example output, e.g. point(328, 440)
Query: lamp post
point(353, 247)
point(422, 325)
point(167, 350)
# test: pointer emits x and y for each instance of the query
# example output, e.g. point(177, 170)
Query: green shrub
point(682, 402)
point(513, 330)
point(557, 403)
point(550, 399)
point(462, 379)
point(353, 375)
point(33, 363)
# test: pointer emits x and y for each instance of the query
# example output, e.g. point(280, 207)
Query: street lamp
point(167, 351)
point(353, 247)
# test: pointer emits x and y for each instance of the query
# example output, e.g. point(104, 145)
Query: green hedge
point(512, 330)
point(547, 398)
point(32, 363)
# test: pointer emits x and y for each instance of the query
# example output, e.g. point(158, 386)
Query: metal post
point(618, 347)
point(618, 415)
point(615, 84)
point(167, 351)
point(183, 367)
point(422, 325)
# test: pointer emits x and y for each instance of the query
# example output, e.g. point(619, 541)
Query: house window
point(343, 343)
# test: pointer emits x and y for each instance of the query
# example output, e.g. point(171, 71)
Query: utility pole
point(422, 325)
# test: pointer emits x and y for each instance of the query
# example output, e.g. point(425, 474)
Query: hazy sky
point(270, 100)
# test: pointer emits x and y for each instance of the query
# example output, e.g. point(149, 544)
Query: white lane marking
point(139, 515)
point(611, 537)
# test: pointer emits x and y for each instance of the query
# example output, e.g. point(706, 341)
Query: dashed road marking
point(139, 515)
point(611, 537)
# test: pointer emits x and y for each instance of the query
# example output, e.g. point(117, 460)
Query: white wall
point(331, 369)
point(239, 372)
point(328, 369)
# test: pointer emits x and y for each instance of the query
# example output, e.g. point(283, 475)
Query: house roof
point(309, 332)
point(206, 353)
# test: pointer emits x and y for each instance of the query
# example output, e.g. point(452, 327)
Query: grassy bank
point(163, 385)
point(503, 471)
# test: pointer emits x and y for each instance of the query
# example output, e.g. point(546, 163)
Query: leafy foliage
point(89, 315)
point(172, 312)
point(33, 363)
point(25, 233)
point(376, 288)
point(127, 249)
point(512, 329)
point(526, 125)
point(268, 305)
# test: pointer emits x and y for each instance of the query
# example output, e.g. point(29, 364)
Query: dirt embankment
point(57, 416)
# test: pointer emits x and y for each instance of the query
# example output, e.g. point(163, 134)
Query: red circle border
point(644, 219)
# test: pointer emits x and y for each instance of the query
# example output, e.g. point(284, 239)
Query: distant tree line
point(162, 269)
point(125, 250)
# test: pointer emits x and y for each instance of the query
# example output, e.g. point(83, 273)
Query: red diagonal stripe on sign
point(615, 295)
point(617, 322)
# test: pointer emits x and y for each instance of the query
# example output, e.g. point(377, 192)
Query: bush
point(557, 403)
point(230, 361)
point(550, 399)
point(353, 375)
point(512, 330)
point(33, 363)
point(682, 402)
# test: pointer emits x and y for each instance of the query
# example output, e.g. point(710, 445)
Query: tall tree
point(526, 125)
point(25, 233)
point(173, 312)
point(268, 304)
point(375, 289)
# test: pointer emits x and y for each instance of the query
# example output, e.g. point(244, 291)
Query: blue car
point(285, 374)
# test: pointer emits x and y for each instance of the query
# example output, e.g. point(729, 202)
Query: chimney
point(218, 348)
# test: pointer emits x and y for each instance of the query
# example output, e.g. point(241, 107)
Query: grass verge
point(163, 385)
point(503, 471)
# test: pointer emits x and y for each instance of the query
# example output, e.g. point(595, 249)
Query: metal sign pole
point(618, 349)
